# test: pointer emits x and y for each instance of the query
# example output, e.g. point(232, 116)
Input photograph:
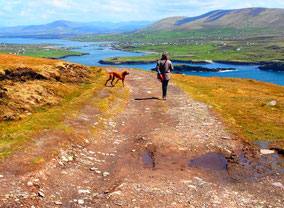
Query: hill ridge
point(257, 17)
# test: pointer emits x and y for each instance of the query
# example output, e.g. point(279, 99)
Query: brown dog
point(119, 75)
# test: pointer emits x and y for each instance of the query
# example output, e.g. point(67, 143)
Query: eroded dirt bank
point(141, 157)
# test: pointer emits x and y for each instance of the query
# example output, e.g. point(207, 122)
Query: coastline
point(149, 62)
point(188, 62)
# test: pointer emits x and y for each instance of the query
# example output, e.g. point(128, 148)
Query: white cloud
point(23, 13)
point(62, 4)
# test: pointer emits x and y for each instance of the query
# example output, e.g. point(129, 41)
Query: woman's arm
point(158, 66)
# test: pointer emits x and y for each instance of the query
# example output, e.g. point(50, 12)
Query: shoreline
point(187, 61)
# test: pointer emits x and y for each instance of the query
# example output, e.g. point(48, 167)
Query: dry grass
point(44, 104)
point(243, 104)
point(15, 133)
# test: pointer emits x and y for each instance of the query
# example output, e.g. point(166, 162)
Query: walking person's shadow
point(148, 98)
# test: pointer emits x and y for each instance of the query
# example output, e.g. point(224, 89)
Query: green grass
point(51, 53)
point(182, 36)
point(207, 51)
point(38, 50)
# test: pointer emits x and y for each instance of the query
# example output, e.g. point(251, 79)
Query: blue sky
point(27, 12)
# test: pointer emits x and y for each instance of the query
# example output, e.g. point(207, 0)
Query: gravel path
point(141, 157)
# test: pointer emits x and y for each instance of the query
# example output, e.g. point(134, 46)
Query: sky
point(35, 12)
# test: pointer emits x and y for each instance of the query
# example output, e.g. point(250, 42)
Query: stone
point(192, 186)
point(58, 203)
point(278, 184)
point(116, 193)
point(41, 194)
point(1, 176)
point(93, 169)
point(30, 183)
point(84, 192)
point(226, 138)
point(105, 174)
point(272, 103)
point(64, 159)
point(81, 201)
point(266, 151)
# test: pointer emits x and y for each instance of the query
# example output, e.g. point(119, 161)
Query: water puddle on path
point(209, 161)
point(147, 159)
point(273, 156)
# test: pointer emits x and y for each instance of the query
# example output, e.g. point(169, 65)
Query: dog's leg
point(107, 82)
point(116, 81)
point(122, 82)
point(112, 81)
point(110, 77)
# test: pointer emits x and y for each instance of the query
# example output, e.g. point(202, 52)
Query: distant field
point(227, 44)
point(38, 50)
point(181, 36)
point(225, 51)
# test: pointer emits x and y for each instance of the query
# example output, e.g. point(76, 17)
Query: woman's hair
point(165, 55)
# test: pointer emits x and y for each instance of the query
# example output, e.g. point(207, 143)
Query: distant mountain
point(237, 18)
point(68, 28)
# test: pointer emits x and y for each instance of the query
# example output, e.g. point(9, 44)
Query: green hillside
point(238, 19)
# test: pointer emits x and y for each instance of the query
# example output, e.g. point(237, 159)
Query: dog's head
point(125, 73)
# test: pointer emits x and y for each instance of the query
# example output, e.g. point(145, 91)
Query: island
point(277, 67)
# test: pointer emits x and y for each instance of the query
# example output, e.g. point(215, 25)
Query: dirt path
point(140, 158)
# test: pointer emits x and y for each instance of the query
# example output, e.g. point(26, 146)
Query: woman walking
point(165, 66)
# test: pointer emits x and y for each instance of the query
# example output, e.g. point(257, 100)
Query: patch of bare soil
point(150, 155)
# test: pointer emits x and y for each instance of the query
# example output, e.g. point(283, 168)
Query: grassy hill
point(238, 19)
point(39, 94)
point(27, 84)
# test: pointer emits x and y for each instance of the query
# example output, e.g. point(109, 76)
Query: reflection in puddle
point(210, 161)
point(147, 159)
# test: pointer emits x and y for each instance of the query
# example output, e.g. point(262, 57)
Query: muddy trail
point(155, 153)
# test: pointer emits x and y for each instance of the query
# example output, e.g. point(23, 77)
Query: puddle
point(209, 161)
point(243, 159)
point(262, 144)
point(147, 159)
point(273, 159)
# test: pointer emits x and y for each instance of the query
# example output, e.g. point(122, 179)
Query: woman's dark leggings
point(165, 87)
